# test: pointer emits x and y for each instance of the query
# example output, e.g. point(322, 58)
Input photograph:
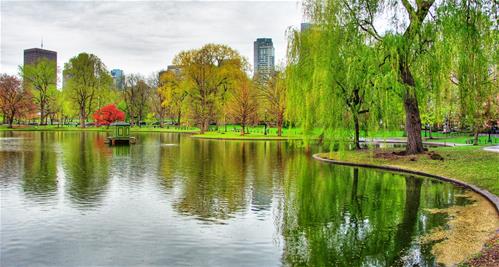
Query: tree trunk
point(82, 117)
point(178, 118)
point(11, 121)
point(204, 126)
point(475, 137)
point(429, 126)
point(357, 132)
point(412, 125)
point(242, 128)
point(42, 112)
point(280, 119)
point(412, 117)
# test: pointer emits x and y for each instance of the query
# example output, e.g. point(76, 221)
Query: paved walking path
point(492, 148)
point(403, 141)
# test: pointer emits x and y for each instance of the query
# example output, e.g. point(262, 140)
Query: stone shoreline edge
point(493, 199)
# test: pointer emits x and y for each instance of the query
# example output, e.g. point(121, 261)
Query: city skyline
point(149, 44)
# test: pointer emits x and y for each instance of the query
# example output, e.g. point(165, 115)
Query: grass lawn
point(469, 164)
point(250, 136)
point(99, 129)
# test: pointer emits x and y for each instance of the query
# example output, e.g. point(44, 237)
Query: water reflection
point(86, 168)
point(357, 217)
point(39, 169)
point(250, 203)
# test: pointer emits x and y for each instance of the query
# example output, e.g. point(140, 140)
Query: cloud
point(140, 37)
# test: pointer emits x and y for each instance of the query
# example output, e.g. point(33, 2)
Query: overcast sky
point(140, 36)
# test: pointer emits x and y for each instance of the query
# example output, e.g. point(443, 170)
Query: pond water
point(67, 199)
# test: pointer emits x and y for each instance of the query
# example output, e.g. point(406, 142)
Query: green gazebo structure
point(120, 134)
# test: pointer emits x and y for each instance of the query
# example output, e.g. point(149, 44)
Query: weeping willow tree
point(403, 42)
point(337, 78)
point(472, 25)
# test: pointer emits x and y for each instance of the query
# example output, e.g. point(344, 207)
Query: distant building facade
point(263, 56)
point(33, 55)
point(118, 78)
point(305, 26)
point(174, 68)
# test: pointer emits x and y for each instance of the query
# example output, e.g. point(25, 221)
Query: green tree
point(41, 79)
point(87, 78)
point(243, 103)
point(334, 77)
point(159, 110)
point(403, 44)
point(476, 65)
point(209, 73)
point(173, 91)
point(136, 95)
point(273, 95)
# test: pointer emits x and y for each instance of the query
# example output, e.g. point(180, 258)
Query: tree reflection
point(214, 180)
point(343, 216)
point(86, 169)
point(40, 172)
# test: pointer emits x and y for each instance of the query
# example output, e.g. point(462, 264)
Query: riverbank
point(250, 136)
point(469, 164)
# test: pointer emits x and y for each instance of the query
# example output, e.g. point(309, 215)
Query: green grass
point(250, 136)
point(253, 133)
point(100, 129)
point(469, 164)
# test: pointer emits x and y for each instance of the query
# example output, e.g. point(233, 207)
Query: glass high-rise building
point(118, 78)
point(264, 58)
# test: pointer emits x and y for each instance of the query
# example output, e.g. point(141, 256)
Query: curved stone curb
point(489, 196)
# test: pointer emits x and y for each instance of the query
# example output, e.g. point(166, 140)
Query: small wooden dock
point(121, 134)
point(112, 140)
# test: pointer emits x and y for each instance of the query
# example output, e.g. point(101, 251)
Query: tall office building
point(174, 68)
point(263, 56)
point(305, 26)
point(118, 78)
point(33, 55)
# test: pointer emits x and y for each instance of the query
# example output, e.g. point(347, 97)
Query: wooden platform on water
point(111, 140)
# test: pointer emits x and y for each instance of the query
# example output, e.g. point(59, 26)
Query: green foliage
point(210, 73)
point(41, 79)
point(87, 84)
point(417, 59)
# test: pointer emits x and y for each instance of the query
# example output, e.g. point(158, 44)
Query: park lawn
point(52, 128)
point(469, 164)
point(99, 129)
point(231, 135)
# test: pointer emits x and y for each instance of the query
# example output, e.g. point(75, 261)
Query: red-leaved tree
point(14, 101)
point(108, 114)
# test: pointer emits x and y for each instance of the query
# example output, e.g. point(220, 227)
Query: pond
point(67, 199)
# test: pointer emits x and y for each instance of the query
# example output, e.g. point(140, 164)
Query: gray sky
point(140, 36)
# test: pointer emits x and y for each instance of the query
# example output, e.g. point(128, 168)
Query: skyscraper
point(263, 50)
point(175, 69)
point(305, 26)
point(33, 55)
point(118, 78)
